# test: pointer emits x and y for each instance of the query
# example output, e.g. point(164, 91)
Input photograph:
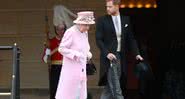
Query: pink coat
point(73, 79)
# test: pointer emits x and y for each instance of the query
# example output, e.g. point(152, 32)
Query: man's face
point(60, 29)
point(111, 8)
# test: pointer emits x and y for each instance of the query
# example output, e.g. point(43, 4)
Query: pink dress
point(73, 79)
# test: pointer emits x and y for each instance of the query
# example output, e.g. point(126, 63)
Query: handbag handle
point(89, 61)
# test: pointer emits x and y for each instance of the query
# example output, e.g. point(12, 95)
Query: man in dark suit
point(114, 38)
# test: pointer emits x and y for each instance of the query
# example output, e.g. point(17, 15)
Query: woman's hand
point(78, 57)
point(89, 56)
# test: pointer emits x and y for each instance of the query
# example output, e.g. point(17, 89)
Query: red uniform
point(55, 66)
point(56, 58)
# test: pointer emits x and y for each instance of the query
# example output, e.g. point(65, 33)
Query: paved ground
point(44, 94)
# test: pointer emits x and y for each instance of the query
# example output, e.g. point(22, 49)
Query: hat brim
point(82, 22)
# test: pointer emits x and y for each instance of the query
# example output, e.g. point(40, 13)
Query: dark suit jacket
point(107, 43)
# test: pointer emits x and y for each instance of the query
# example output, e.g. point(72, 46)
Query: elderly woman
point(76, 51)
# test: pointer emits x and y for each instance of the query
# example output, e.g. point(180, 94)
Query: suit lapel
point(111, 24)
point(122, 24)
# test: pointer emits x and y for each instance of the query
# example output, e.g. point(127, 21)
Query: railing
point(15, 87)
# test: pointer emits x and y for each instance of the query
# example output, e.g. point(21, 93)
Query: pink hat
point(85, 17)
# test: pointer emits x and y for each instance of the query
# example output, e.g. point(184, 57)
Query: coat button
point(82, 70)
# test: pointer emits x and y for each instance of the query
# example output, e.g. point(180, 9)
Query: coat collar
point(110, 21)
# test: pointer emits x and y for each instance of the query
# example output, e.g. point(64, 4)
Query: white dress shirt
point(117, 25)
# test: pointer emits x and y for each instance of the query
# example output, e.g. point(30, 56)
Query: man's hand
point(111, 56)
point(54, 51)
point(138, 57)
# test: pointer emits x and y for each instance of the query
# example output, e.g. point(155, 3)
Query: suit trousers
point(113, 90)
point(54, 74)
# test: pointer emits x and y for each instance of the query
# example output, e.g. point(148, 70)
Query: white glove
point(47, 52)
point(79, 57)
point(89, 55)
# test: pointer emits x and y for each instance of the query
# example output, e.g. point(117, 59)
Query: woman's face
point(84, 27)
